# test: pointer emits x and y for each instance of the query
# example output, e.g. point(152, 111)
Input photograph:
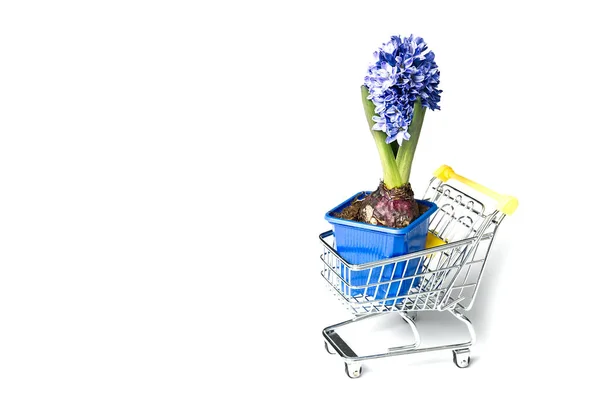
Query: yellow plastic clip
point(433, 241)
point(506, 204)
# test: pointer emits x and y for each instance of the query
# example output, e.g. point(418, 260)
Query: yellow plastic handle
point(506, 204)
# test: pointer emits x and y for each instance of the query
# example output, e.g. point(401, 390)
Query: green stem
point(391, 176)
point(406, 152)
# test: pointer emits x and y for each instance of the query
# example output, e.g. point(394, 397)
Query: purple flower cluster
point(403, 71)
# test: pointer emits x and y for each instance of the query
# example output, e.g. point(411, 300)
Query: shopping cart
point(449, 271)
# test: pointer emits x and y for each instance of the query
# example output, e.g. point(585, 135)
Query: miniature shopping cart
point(461, 233)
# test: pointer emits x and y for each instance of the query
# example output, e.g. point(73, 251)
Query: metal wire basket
point(446, 279)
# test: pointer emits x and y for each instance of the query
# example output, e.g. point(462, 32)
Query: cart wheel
point(328, 349)
point(461, 357)
point(353, 370)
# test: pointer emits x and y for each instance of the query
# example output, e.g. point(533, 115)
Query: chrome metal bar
point(451, 304)
point(426, 252)
point(422, 274)
point(416, 336)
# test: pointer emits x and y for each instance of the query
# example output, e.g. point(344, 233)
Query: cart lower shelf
point(335, 344)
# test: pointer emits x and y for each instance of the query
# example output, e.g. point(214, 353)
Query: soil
point(394, 208)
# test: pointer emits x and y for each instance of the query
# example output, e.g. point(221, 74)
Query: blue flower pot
point(360, 243)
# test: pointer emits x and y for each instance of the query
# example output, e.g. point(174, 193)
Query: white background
point(165, 168)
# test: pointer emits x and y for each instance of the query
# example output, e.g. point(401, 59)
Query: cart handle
point(506, 204)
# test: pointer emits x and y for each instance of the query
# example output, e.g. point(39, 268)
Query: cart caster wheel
point(462, 357)
point(328, 349)
point(353, 370)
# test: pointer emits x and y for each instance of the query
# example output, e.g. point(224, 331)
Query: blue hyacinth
point(403, 71)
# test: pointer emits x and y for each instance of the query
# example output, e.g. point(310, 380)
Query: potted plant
point(401, 83)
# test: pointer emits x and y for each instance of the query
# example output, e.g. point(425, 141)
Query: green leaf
point(406, 153)
point(391, 176)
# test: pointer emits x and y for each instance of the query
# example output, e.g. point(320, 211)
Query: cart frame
point(447, 278)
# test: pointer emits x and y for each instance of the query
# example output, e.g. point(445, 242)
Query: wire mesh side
point(437, 280)
point(459, 215)
point(441, 279)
